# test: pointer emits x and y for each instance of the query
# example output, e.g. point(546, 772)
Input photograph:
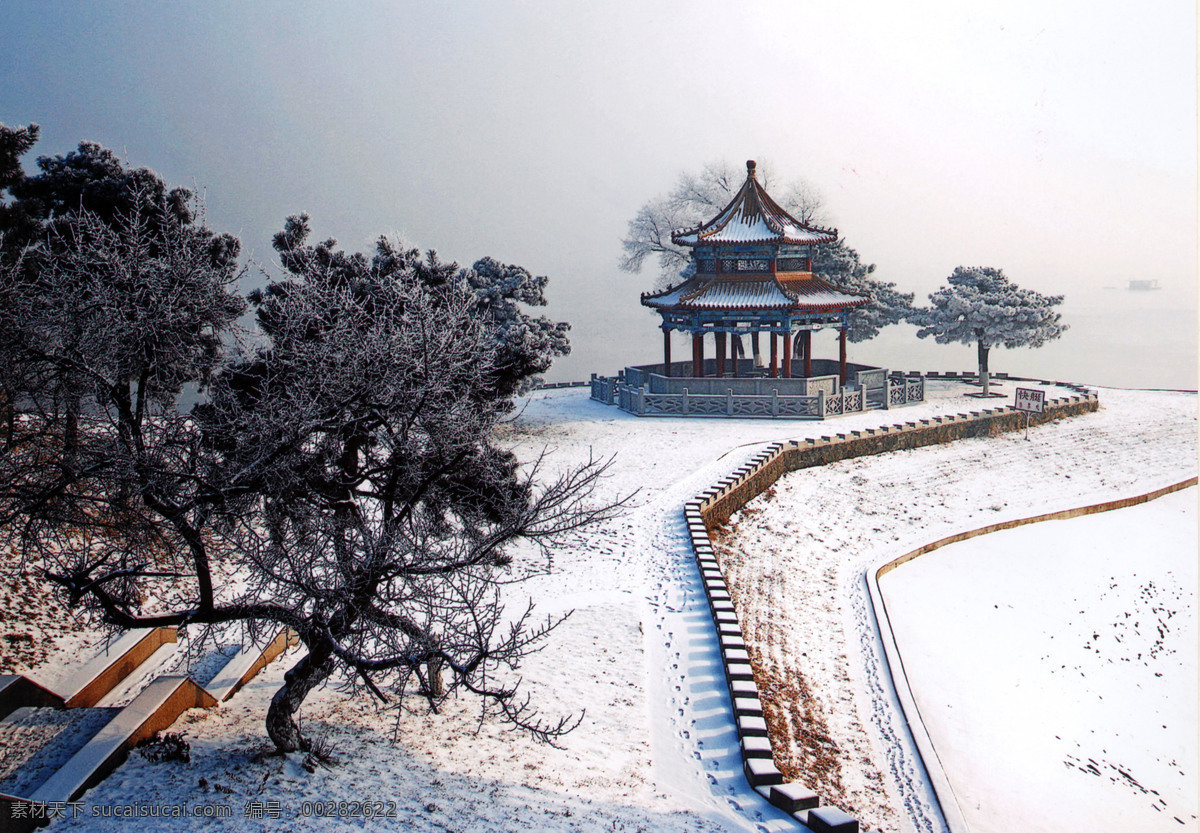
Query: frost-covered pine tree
point(840, 265)
point(980, 305)
point(343, 465)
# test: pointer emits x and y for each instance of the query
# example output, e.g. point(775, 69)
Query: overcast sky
point(1055, 140)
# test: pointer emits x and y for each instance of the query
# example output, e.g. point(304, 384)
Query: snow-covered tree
point(525, 345)
point(500, 293)
point(697, 198)
point(981, 306)
point(359, 434)
point(342, 471)
point(102, 246)
point(15, 229)
point(840, 265)
point(15, 142)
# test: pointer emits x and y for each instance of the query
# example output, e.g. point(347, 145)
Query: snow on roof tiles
point(740, 294)
point(752, 217)
point(737, 295)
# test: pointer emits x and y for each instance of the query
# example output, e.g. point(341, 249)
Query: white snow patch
point(1054, 666)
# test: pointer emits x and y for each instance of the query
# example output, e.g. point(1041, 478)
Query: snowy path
point(694, 746)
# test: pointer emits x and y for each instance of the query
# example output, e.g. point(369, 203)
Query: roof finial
point(750, 164)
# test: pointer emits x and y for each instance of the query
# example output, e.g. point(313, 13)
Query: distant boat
point(1143, 286)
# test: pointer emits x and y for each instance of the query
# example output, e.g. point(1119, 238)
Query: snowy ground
point(796, 557)
point(1054, 666)
point(656, 750)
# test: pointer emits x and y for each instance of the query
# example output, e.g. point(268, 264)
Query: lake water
point(1117, 338)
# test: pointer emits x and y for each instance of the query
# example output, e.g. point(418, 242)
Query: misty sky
point(1055, 140)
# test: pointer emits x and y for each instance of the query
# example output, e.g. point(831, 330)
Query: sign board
point(1031, 401)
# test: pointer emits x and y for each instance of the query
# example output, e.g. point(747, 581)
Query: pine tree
point(840, 265)
point(981, 306)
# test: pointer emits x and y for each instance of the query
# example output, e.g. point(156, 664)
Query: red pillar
point(842, 353)
point(667, 353)
point(720, 338)
point(774, 356)
point(697, 367)
point(787, 356)
point(807, 353)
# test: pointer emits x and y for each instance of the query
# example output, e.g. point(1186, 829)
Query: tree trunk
point(983, 366)
point(435, 686)
point(302, 678)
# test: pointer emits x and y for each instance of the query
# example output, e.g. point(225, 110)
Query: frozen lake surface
point(1054, 666)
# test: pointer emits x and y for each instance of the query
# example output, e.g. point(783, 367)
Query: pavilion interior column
point(787, 356)
point(735, 351)
point(807, 345)
point(697, 355)
point(774, 356)
point(720, 339)
point(666, 352)
point(842, 353)
point(755, 351)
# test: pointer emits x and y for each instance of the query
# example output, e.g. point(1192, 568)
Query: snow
point(795, 558)
point(1059, 659)
point(34, 743)
point(639, 658)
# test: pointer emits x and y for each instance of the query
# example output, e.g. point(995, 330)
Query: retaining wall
point(733, 493)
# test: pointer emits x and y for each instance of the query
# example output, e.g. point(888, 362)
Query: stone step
point(751, 726)
point(17, 691)
point(793, 796)
point(747, 706)
point(245, 664)
point(739, 671)
point(743, 688)
point(731, 642)
point(762, 772)
point(99, 675)
point(157, 663)
point(756, 747)
point(830, 820)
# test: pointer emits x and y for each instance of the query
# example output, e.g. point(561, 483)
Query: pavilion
point(751, 272)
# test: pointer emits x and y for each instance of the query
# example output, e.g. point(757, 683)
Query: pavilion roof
point(807, 295)
point(752, 217)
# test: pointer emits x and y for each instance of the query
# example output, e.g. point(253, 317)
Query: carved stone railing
point(653, 398)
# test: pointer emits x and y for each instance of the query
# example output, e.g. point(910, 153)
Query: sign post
point(1030, 401)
